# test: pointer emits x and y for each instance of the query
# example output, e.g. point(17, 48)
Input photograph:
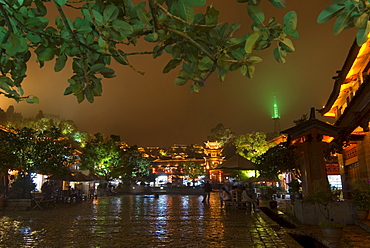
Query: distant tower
point(276, 116)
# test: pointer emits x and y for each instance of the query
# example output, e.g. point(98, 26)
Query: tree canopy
point(33, 151)
point(93, 34)
point(110, 160)
point(276, 160)
point(252, 145)
point(193, 170)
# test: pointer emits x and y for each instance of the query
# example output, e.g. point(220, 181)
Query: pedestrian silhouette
point(207, 189)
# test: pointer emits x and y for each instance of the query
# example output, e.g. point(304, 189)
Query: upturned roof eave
point(310, 124)
point(342, 74)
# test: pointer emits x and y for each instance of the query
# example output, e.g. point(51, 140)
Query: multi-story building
point(349, 105)
point(213, 158)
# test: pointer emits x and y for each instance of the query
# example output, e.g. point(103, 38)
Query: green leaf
point(34, 38)
point(250, 71)
point(179, 81)
point(122, 27)
point(89, 93)
point(362, 33)
point(194, 88)
point(60, 63)
point(278, 3)
point(291, 32)
point(110, 13)
point(191, 53)
point(61, 2)
point(84, 29)
point(256, 14)
point(46, 55)
point(186, 11)
point(37, 22)
point(196, 3)
point(290, 19)
point(237, 54)
point(152, 37)
point(342, 21)
point(205, 64)
point(157, 51)
point(171, 65)
point(96, 67)
point(255, 59)
point(80, 96)
point(277, 55)
point(251, 42)
point(102, 44)
point(142, 14)
point(361, 20)
point(98, 17)
point(20, 90)
point(34, 99)
point(212, 16)
point(107, 72)
point(287, 44)
point(68, 91)
point(243, 70)
point(329, 13)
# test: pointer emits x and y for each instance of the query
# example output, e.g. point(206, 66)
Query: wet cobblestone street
point(138, 221)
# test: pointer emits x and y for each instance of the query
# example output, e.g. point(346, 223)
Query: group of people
point(246, 195)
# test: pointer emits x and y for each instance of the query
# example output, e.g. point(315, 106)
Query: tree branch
point(10, 30)
point(193, 42)
point(180, 19)
point(84, 63)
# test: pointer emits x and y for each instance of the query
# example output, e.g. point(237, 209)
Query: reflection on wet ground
point(136, 221)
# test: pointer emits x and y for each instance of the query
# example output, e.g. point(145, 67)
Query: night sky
point(150, 110)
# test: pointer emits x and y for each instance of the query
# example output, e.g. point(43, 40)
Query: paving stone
point(139, 221)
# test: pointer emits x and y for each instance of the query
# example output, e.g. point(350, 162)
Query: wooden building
point(349, 106)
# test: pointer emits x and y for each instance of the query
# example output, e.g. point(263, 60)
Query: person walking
point(207, 189)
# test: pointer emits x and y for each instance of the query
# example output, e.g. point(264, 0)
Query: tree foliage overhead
point(349, 14)
point(98, 33)
point(276, 160)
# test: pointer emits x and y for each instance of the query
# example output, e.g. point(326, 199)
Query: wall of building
point(363, 153)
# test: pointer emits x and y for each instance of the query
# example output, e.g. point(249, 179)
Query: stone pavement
point(141, 221)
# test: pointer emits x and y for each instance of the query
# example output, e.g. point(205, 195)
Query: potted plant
point(267, 194)
point(361, 198)
point(332, 231)
point(295, 189)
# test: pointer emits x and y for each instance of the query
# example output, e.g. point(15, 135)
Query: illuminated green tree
point(101, 157)
point(252, 145)
point(31, 151)
point(193, 170)
point(53, 153)
point(134, 165)
point(40, 123)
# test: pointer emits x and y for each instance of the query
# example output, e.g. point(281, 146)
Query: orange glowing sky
point(150, 110)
